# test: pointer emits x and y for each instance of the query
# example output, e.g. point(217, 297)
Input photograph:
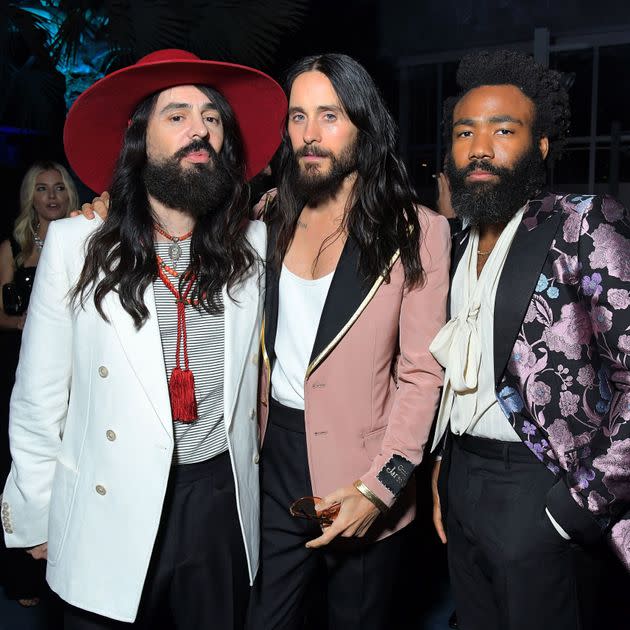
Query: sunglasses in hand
point(306, 507)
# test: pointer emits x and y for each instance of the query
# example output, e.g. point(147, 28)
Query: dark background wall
point(411, 47)
point(409, 27)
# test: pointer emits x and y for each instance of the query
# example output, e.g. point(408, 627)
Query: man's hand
point(354, 519)
point(437, 510)
point(444, 205)
point(40, 552)
point(99, 205)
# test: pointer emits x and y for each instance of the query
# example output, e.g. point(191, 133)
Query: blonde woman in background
point(47, 193)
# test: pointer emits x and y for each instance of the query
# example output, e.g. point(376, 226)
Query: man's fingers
point(350, 531)
point(329, 534)
point(439, 526)
point(360, 532)
point(437, 506)
point(87, 210)
point(437, 517)
point(329, 500)
point(440, 182)
point(100, 208)
point(40, 552)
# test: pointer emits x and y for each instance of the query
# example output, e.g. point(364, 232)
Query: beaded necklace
point(174, 249)
point(181, 385)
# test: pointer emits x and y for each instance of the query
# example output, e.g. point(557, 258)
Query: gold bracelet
point(369, 495)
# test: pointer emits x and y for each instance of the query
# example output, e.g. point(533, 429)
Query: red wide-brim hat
point(97, 120)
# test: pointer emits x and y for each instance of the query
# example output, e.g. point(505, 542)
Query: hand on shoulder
point(99, 206)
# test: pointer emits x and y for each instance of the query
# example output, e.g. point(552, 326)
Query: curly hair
point(545, 87)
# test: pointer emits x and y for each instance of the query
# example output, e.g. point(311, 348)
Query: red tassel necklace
point(181, 385)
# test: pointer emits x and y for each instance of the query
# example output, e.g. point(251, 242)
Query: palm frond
point(241, 31)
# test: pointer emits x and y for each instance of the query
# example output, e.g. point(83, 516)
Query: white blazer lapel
point(143, 349)
point(241, 314)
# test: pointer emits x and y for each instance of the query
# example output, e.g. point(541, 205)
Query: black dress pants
point(510, 568)
point(356, 579)
point(198, 574)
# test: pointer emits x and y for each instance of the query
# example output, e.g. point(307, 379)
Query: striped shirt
point(206, 437)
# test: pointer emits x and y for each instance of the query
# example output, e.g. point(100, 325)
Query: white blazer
point(91, 430)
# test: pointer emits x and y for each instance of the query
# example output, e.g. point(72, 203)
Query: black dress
point(20, 575)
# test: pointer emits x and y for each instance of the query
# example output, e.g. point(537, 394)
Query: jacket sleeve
point(422, 314)
point(39, 402)
point(596, 490)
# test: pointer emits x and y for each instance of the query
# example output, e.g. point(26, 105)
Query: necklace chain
point(169, 236)
point(39, 242)
point(174, 249)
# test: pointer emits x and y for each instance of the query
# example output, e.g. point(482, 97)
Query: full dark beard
point(314, 187)
point(489, 203)
point(198, 190)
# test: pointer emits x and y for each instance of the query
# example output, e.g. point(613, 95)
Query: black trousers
point(353, 581)
point(198, 573)
point(510, 569)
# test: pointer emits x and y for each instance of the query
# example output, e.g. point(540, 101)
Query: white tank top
point(300, 306)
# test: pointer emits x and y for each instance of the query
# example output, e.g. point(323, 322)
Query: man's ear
point(543, 145)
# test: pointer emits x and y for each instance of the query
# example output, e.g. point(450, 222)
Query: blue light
point(89, 65)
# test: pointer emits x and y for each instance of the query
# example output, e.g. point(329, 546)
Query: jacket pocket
point(61, 501)
point(372, 442)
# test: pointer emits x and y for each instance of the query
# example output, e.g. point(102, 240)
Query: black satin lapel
point(518, 281)
point(344, 297)
point(459, 242)
point(272, 280)
point(458, 247)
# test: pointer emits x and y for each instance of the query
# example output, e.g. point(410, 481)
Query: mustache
point(482, 165)
point(312, 150)
point(199, 144)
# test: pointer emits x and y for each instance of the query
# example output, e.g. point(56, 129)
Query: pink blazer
point(372, 386)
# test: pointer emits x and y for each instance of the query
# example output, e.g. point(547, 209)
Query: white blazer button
point(252, 414)
point(111, 436)
point(101, 490)
point(256, 458)
point(8, 530)
point(103, 372)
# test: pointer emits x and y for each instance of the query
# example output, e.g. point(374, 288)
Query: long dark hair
point(383, 216)
point(120, 255)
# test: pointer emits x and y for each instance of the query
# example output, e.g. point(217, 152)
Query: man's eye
point(212, 120)
point(464, 134)
point(505, 132)
point(297, 117)
point(176, 118)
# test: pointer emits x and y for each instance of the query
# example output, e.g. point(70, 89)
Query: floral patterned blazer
point(562, 356)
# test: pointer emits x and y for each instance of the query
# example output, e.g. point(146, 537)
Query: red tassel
point(181, 389)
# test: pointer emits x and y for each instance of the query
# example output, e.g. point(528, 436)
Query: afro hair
point(545, 87)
